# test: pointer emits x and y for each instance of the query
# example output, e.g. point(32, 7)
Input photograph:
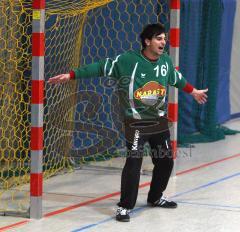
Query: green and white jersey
point(142, 83)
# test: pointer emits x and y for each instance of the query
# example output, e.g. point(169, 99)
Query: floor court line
point(207, 164)
point(106, 220)
point(140, 186)
point(85, 228)
point(14, 225)
point(142, 208)
point(209, 205)
point(117, 193)
point(207, 185)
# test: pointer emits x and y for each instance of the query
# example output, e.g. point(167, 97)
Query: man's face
point(156, 45)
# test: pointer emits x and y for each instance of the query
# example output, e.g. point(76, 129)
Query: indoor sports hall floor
point(206, 187)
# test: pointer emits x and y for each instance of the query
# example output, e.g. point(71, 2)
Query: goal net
point(80, 118)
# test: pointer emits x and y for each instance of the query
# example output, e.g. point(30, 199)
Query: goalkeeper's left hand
point(200, 95)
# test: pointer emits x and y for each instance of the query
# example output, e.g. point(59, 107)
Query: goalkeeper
point(147, 74)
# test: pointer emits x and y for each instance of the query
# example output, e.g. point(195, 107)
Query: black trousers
point(137, 133)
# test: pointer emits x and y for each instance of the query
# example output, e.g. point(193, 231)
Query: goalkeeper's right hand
point(62, 78)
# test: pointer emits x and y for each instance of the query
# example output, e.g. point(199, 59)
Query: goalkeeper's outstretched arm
point(62, 78)
point(101, 68)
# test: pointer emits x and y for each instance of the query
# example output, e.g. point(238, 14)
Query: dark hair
point(150, 31)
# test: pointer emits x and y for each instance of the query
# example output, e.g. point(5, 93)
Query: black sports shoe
point(122, 215)
point(164, 203)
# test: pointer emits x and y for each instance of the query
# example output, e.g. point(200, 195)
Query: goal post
point(37, 99)
point(174, 35)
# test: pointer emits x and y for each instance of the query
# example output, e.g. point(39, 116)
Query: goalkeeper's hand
point(200, 95)
point(62, 78)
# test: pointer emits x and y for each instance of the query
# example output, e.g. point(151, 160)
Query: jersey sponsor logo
point(150, 89)
point(143, 75)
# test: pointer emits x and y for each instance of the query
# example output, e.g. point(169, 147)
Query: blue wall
point(205, 53)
